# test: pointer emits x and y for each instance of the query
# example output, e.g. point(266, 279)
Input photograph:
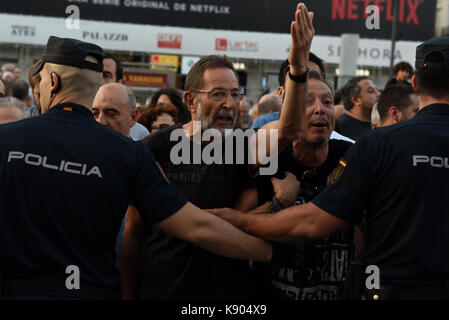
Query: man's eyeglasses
point(220, 95)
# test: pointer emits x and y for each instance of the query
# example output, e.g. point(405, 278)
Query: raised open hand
point(302, 32)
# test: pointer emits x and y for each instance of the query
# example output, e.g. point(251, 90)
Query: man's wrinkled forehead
point(317, 87)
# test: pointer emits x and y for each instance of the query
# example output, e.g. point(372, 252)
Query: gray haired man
point(11, 109)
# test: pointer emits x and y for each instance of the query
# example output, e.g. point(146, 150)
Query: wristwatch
point(299, 79)
point(276, 205)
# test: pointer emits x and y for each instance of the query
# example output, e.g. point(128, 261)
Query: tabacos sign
point(222, 44)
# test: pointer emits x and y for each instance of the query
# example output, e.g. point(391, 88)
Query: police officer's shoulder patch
point(337, 172)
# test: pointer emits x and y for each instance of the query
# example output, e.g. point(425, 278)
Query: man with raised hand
point(399, 174)
point(66, 182)
point(213, 98)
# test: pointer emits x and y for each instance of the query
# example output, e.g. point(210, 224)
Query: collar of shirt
point(68, 108)
point(434, 109)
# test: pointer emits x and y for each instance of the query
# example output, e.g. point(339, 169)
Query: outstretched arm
point(299, 223)
point(214, 234)
point(294, 104)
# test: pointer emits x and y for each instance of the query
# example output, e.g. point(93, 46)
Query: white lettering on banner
point(159, 5)
point(169, 40)
point(142, 38)
point(205, 8)
point(179, 6)
point(65, 166)
point(107, 2)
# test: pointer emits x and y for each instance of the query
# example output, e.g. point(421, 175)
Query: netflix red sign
point(416, 18)
point(169, 40)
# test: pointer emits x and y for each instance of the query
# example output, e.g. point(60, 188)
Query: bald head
point(60, 83)
point(269, 103)
point(115, 107)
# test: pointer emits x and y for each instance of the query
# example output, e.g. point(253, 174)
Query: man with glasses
point(172, 268)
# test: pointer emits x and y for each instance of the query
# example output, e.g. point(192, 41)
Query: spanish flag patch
point(67, 109)
point(336, 174)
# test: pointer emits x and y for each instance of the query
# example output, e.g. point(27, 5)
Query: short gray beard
point(206, 121)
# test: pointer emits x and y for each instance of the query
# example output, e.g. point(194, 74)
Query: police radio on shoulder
point(300, 79)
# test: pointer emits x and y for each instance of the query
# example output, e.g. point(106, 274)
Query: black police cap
point(433, 55)
point(71, 52)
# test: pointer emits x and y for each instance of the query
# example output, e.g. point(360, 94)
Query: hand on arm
point(299, 223)
point(287, 189)
point(214, 234)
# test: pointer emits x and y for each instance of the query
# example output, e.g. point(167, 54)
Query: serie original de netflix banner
point(416, 18)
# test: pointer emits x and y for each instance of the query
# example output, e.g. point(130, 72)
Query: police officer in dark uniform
point(65, 184)
point(400, 176)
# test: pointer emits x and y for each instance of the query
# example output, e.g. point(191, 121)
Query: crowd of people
point(87, 179)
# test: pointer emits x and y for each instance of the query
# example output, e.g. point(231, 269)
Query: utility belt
point(354, 288)
point(54, 287)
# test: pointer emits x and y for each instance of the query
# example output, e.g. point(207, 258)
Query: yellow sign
point(164, 62)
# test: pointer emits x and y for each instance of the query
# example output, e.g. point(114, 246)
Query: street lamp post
point(393, 34)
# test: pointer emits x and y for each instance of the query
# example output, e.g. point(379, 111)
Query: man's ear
point(355, 100)
point(280, 92)
point(55, 82)
point(394, 113)
point(189, 99)
point(133, 117)
point(414, 85)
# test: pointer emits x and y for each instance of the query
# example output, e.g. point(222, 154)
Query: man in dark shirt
point(172, 268)
point(66, 182)
point(318, 267)
point(399, 175)
point(397, 103)
point(359, 97)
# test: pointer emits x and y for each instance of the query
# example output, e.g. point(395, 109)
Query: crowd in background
point(158, 253)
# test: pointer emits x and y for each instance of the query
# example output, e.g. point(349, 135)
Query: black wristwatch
point(276, 205)
point(299, 79)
